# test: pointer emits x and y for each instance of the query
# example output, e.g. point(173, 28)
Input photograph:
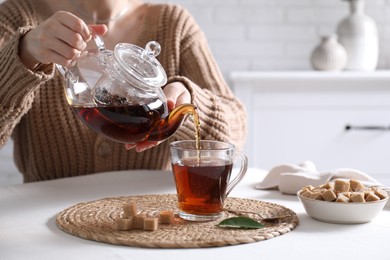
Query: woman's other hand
point(176, 94)
point(60, 39)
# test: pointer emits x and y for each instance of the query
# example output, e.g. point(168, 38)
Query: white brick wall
point(276, 34)
point(263, 35)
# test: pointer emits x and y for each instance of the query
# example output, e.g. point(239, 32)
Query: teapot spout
point(171, 123)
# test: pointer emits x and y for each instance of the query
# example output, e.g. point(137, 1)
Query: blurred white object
point(329, 55)
point(358, 34)
point(290, 178)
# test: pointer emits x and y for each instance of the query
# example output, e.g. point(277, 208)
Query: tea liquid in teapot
point(125, 122)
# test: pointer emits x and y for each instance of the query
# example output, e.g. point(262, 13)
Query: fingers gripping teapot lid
point(140, 66)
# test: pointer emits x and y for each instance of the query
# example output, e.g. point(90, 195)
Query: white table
point(28, 229)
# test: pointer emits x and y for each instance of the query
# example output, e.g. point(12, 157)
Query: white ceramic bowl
point(342, 213)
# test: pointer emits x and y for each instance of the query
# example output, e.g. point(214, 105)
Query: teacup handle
point(243, 169)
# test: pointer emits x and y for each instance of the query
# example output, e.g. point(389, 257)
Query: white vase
point(329, 55)
point(358, 34)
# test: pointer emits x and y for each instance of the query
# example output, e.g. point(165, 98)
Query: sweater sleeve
point(222, 116)
point(17, 84)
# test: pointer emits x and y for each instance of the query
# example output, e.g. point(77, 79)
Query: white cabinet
point(335, 119)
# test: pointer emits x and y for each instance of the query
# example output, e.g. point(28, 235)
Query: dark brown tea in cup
point(201, 185)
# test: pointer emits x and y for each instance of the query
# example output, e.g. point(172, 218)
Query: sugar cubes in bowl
point(343, 201)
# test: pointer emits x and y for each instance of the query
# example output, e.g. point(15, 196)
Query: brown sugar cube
point(328, 185)
point(165, 217)
point(329, 195)
point(342, 198)
point(150, 224)
point(347, 194)
point(138, 221)
point(316, 196)
point(123, 224)
point(317, 188)
point(303, 190)
point(306, 194)
point(309, 187)
point(356, 185)
point(366, 192)
point(322, 190)
point(381, 193)
point(322, 186)
point(357, 197)
point(372, 197)
point(129, 210)
point(341, 186)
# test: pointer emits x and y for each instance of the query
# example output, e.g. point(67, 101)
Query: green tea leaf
point(240, 222)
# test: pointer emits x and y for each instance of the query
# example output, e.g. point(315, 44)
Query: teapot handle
point(66, 73)
point(61, 69)
point(99, 43)
point(98, 40)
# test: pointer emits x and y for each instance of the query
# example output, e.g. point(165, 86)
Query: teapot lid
point(140, 66)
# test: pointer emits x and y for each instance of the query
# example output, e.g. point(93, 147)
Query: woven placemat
point(94, 221)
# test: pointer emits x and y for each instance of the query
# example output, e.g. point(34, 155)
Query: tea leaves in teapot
point(103, 97)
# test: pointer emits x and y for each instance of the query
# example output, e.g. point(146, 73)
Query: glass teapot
point(118, 93)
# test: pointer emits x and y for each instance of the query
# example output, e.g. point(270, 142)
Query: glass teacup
point(202, 176)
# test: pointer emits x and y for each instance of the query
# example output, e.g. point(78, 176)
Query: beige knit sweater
point(51, 142)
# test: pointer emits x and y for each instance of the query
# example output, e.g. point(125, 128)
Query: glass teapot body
point(118, 94)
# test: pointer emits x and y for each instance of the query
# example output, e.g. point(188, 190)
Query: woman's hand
point(60, 39)
point(176, 94)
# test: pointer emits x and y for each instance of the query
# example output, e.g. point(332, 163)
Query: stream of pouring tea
point(195, 117)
